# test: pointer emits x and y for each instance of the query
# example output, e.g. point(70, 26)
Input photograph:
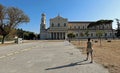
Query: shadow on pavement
point(68, 65)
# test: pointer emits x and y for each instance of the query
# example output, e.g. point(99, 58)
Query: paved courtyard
point(45, 57)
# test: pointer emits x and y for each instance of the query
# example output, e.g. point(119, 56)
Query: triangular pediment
point(58, 18)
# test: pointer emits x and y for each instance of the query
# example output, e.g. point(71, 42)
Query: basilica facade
point(60, 27)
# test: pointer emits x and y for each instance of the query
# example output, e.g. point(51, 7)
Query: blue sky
point(74, 10)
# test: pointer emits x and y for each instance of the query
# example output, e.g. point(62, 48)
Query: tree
point(81, 34)
point(32, 36)
point(70, 36)
point(38, 36)
point(11, 35)
point(118, 28)
point(20, 33)
point(10, 18)
point(98, 23)
point(87, 33)
point(26, 35)
point(99, 33)
point(118, 33)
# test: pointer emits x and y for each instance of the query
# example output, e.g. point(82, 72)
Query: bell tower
point(43, 31)
point(43, 22)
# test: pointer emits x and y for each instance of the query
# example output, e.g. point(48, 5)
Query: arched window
point(42, 20)
point(58, 24)
point(91, 34)
point(64, 24)
point(52, 25)
point(105, 34)
point(42, 26)
point(110, 34)
point(76, 34)
point(83, 27)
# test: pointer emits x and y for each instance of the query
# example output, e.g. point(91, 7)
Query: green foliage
point(99, 33)
point(118, 28)
point(26, 35)
point(81, 34)
point(70, 35)
point(99, 22)
point(20, 33)
point(0, 38)
point(87, 33)
point(118, 33)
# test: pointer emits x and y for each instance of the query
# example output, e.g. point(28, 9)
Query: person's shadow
point(69, 65)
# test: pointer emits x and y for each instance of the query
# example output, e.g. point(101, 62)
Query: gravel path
point(45, 57)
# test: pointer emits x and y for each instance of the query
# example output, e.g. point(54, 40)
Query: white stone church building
point(60, 27)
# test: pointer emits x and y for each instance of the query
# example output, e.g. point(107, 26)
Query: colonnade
point(57, 35)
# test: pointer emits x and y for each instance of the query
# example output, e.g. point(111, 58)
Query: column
point(60, 35)
point(64, 35)
point(51, 35)
point(56, 35)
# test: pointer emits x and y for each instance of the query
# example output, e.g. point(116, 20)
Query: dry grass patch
point(108, 54)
